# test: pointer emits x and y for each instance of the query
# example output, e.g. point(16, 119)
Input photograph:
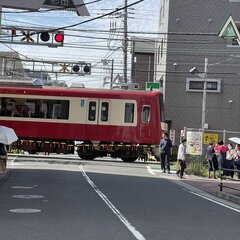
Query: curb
point(223, 195)
point(228, 197)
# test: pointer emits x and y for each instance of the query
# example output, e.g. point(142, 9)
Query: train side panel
point(84, 115)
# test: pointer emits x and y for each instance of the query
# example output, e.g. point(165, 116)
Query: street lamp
point(204, 99)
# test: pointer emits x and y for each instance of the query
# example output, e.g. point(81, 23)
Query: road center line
point(136, 233)
point(221, 204)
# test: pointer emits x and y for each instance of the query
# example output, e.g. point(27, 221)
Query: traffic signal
point(53, 39)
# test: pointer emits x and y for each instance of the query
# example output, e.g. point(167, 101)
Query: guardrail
point(222, 177)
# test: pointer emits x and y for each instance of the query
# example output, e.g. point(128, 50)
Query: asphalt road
point(99, 200)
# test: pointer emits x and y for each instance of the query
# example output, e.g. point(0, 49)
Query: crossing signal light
point(59, 37)
point(82, 68)
point(45, 36)
point(76, 68)
point(54, 39)
point(87, 69)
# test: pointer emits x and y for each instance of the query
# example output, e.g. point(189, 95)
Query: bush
point(197, 165)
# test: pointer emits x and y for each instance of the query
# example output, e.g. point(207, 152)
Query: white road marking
point(136, 233)
point(22, 187)
point(28, 196)
point(25, 210)
point(211, 200)
point(13, 162)
point(150, 170)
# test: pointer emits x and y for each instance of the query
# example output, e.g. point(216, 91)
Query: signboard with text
point(194, 143)
point(210, 137)
point(71, 5)
point(152, 85)
point(22, 4)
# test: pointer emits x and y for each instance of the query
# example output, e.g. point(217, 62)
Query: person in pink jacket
point(222, 150)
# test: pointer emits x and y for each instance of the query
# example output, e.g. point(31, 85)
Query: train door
point(145, 120)
point(98, 118)
point(104, 119)
point(92, 118)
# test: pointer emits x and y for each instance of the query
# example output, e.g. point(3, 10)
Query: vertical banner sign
point(172, 136)
point(194, 143)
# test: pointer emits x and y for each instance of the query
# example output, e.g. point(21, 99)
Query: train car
point(118, 123)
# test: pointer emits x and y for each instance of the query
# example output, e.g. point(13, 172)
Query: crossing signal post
point(80, 68)
point(48, 37)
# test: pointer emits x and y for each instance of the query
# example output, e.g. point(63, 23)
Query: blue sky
point(84, 45)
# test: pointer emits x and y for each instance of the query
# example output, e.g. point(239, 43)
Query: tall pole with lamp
point(204, 99)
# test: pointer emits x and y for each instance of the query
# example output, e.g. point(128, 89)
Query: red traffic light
point(59, 37)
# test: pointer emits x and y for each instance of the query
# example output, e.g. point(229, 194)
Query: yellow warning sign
point(210, 137)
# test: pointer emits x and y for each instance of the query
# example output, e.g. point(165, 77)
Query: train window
point(104, 111)
point(129, 113)
point(35, 108)
point(146, 113)
point(92, 111)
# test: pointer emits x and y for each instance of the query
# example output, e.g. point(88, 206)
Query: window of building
point(146, 113)
point(129, 113)
point(104, 111)
point(197, 85)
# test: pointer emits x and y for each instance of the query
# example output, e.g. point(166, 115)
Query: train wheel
point(87, 152)
point(129, 155)
point(86, 155)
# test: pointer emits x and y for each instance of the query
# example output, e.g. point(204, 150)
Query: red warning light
point(59, 37)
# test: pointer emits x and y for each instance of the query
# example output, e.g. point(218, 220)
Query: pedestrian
point(231, 153)
point(181, 158)
point(237, 159)
point(222, 150)
point(3, 156)
point(212, 159)
point(165, 147)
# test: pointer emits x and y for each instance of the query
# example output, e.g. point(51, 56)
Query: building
point(143, 54)
point(188, 34)
point(10, 65)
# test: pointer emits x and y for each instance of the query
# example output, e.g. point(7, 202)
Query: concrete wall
point(185, 48)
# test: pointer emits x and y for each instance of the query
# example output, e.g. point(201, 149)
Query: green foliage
point(197, 165)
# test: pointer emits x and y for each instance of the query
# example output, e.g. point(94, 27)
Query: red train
point(119, 123)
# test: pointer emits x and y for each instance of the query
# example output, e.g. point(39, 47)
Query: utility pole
point(111, 81)
point(125, 43)
point(204, 100)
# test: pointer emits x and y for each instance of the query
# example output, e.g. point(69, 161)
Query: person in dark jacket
point(3, 156)
point(212, 159)
point(165, 147)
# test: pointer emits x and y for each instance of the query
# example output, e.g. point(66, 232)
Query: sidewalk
point(230, 190)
